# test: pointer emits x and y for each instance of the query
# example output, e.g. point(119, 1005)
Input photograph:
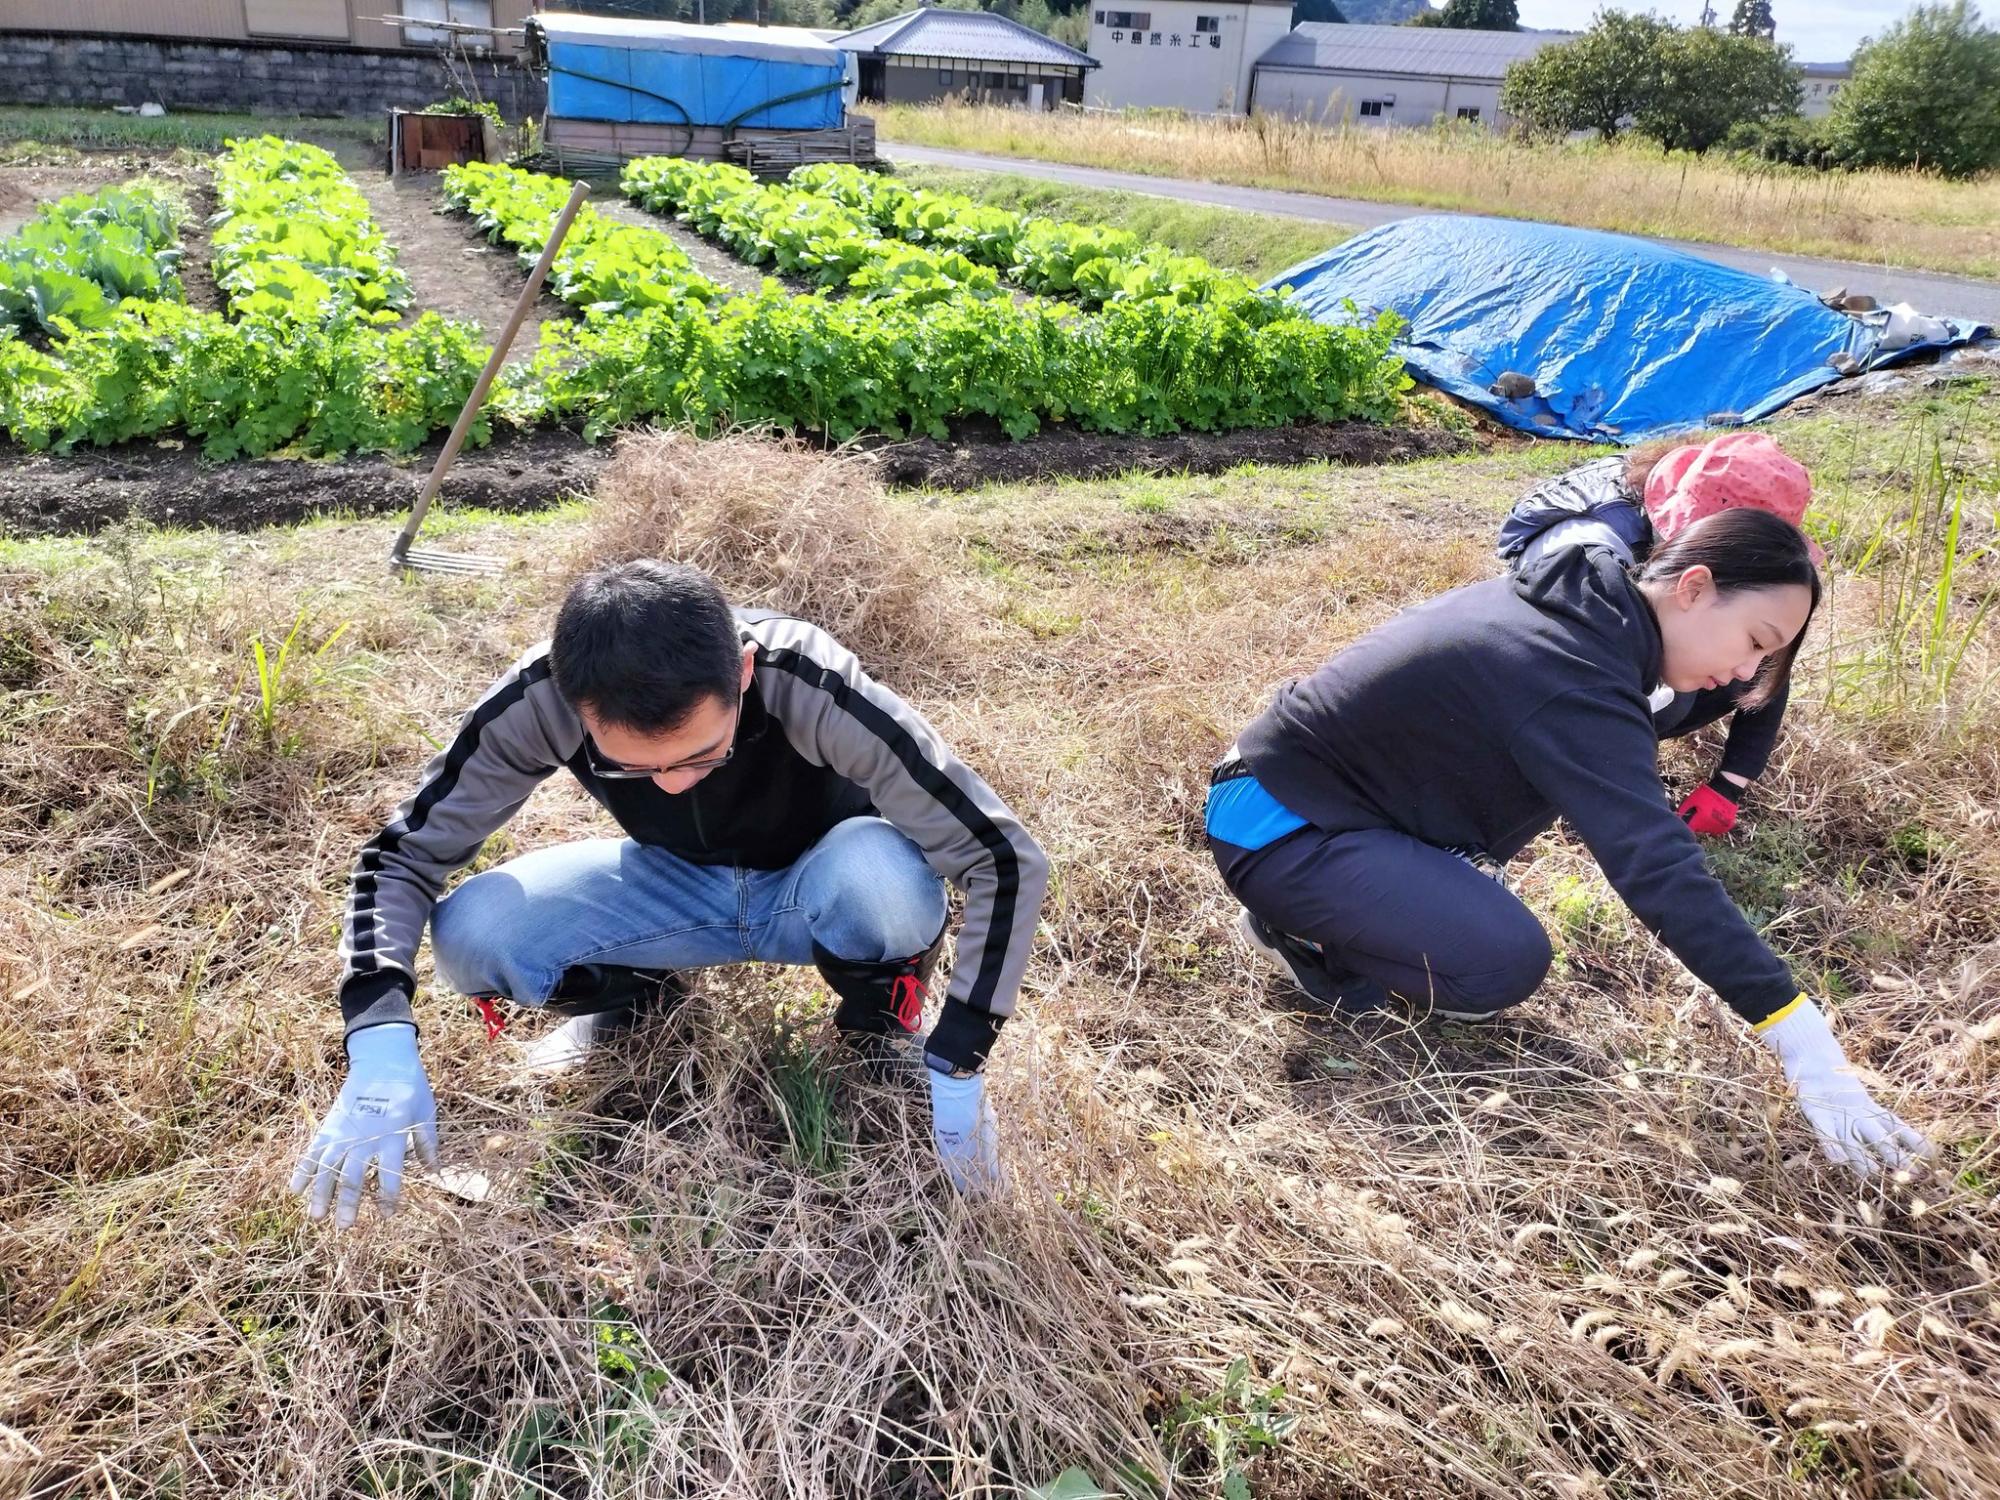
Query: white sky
point(1818, 30)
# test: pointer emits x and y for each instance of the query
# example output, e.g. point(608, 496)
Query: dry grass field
point(1244, 1249)
point(1896, 218)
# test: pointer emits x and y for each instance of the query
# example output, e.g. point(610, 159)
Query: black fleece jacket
point(1597, 492)
point(1474, 720)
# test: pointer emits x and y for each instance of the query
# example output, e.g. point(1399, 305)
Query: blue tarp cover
point(602, 68)
point(1624, 339)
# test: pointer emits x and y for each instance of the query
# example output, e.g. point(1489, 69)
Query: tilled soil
point(453, 270)
point(171, 485)
point(981, 454)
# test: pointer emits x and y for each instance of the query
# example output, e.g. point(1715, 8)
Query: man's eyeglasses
point(611, 770)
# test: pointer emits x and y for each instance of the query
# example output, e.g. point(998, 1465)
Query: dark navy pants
point(1425, 924)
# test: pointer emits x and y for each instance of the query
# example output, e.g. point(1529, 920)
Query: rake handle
point(529, 291)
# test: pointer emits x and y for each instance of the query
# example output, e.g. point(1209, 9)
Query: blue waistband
point(1242, 813)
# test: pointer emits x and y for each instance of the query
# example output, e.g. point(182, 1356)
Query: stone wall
point(289, 78)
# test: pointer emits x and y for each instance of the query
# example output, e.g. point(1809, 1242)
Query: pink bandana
point(1740, 468)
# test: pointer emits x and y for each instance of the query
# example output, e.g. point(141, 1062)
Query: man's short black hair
point(642, 644)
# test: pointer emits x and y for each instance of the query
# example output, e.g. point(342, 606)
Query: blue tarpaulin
point(1624, 339)
point(663, 72)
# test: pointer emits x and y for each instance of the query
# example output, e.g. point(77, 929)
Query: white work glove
point(968, 1141)
point(385, 1101)
point(1854, 1131)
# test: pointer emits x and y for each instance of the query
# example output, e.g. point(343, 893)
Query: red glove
point(1711, 809)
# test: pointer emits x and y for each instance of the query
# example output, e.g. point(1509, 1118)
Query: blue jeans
point(863, 892)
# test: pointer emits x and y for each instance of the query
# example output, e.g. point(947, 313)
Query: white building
point(1195, 55)
point(1391, 75)
point(1822, 84)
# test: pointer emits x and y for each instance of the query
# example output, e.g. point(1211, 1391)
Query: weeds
point(1588, 1251)
point(1919, 610)
point(283, 681)
point(1916, 538)
point(802, 1091)
point(1227, 1430)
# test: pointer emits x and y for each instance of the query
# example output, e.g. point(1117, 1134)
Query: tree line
point(1924, 94)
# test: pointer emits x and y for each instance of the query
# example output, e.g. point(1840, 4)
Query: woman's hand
point(1853, 1129)
point(1710, 809)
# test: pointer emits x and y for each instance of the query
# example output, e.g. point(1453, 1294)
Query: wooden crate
point(429, 143)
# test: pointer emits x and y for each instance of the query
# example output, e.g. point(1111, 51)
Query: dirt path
point(714, 262)
point(452, 269)
point(24, 189)
point(197, 276)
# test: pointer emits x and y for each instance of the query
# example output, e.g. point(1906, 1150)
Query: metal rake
point(409, 558)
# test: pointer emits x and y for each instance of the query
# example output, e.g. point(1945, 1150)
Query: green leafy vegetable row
point(898, 366)
point(242, 388)
point(801, 233)
point(657, 340)
point(604, 266)
point(305, 357)
point(78, 257)
point(294, 238)
point(1091, 262)
point(913, 364)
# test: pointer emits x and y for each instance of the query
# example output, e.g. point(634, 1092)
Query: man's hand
point(1853, 1129)
point(967, 1140)
point(385, 1101)
point(1710, 809)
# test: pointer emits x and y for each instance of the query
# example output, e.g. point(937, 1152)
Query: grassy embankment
point(1897, 218)
point(1258, 245)
point(30, 133)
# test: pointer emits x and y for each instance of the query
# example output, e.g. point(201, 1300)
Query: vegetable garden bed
point(968, 343)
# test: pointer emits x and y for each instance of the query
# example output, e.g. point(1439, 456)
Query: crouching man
point(778, 806)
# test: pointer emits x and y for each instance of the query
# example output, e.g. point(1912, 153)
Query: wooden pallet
point(776, 158)
point(775, 151)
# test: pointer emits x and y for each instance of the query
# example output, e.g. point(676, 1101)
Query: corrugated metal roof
point(975, 34)
point(638, 34)
point(1426, 51)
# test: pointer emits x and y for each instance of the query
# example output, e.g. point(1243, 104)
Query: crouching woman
point(1360, 819)
point(1633, 503)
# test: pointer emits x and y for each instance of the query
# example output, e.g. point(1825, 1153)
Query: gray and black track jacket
point(819, 742)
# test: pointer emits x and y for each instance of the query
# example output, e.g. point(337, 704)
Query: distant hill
point(1380, 12)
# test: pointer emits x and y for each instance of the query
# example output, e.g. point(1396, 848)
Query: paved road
point(1927, 291)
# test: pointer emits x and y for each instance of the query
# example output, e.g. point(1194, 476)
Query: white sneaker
point(567, 1047)
point(1302, 963)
